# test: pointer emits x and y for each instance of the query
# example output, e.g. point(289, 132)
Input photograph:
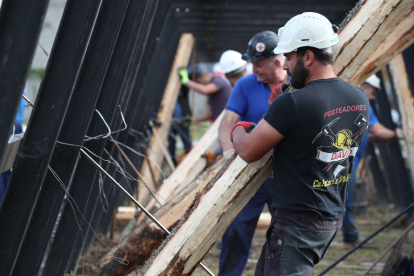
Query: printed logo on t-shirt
point(340, 153)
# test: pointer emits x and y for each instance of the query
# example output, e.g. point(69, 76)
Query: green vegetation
point(37, 72)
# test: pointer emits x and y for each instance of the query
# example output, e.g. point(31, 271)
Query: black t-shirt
point(218, 100)
point(323, 124)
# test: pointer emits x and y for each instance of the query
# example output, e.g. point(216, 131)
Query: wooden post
point(191, 165)
point(169, 99)
point(221, 200)
point(144, 238)
point(398, 40)
point(405, 103)
point(370, 26)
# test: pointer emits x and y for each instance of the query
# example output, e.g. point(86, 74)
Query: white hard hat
point(307, 29)
point(230, 61)
point(374, 81)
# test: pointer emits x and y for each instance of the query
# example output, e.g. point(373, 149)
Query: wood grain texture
point(191, 165)
point(370, 26)
point(397, 41)
point(165, 112)
point(405, 104)
point(211, 213)
point(146, 237)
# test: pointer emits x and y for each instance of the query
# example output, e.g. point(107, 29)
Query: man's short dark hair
point(199, 69)
point(238, 73)
point(322, 56)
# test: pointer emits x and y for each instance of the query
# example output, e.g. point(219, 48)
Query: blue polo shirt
point(249, 99)
point(372, 120)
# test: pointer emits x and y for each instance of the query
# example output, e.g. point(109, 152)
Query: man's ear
point(308, 58)
point(278, 63)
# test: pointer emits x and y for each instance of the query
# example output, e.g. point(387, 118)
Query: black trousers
point(295, 242)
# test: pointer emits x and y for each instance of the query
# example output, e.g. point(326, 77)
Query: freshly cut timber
point(144, 238)
point(405, 103)
point(209, 215)
point(398, 40)
point(190, 167)
point(370, 25)
point(221, 200)
point(165, 112)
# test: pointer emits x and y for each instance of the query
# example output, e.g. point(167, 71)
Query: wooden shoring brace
point(165, 112)
point(144, 238)
point(405, 103)
point(398, 40)
point(220, 201)
point(365, 33)
point(190, 167)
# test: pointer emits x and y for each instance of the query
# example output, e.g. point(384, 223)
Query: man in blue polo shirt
point(249, 102)
point(370, 87)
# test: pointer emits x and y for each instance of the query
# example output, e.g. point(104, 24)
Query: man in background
point(377, 130)
point(233, 66)
point(249, 102)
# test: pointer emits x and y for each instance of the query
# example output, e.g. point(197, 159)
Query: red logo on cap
point(260, 47)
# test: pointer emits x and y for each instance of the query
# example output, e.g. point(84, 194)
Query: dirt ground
point(355, 264)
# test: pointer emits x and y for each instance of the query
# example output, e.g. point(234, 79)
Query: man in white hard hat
point(315, 132)
point(377, 130)
point(233, 66)
point(249, 101)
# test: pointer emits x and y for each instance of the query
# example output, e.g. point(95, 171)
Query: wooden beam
point(162, 145)
point(144, 238)
point(191, 166)
point(221, 200)
point(398, 40)
point(405, 103)
point(370, 26)
point(169, 99)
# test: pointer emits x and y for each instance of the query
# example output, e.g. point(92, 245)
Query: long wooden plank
point(394, 44)
point(367, 30)
point(191, 165)
point(169, 99)
point(144, 238)
point(405, 103)
point(209, 216)
point(220, 202)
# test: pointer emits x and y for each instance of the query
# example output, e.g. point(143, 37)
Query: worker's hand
point(277, 91)
point(227, 154)
point(395, 135)
point(247, 127)
point(183, 73)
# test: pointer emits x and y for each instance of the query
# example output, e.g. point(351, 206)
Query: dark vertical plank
point(20, 25)
point(73, 131)
point(35, 152)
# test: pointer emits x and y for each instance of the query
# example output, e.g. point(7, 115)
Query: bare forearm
point(241, 143)
point(205, 89)
point(381, 132)
point(203, 117)
point(224, 135)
